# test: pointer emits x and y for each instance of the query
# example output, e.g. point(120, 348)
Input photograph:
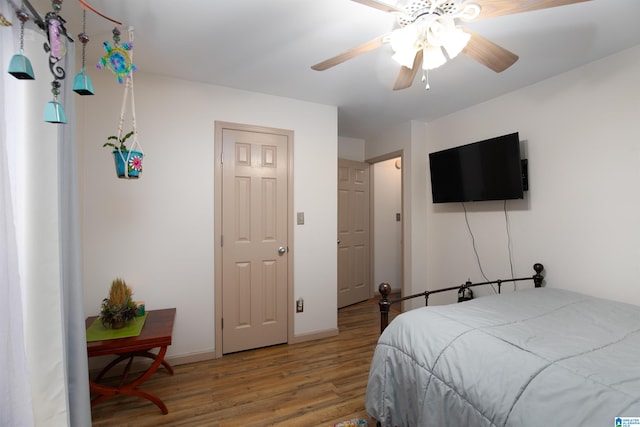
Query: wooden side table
point(156, 333)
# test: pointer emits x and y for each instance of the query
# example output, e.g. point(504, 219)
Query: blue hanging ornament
point(117, 58)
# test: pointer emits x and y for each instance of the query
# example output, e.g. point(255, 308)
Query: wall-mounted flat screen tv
point(484, 170)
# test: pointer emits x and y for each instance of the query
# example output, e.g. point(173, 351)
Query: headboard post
point(537, 278)
point(385, 305)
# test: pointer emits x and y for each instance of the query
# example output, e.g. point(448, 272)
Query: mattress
point(538, 357)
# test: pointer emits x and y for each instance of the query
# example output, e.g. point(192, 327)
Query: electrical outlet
point(300, 218)
point(299, 305)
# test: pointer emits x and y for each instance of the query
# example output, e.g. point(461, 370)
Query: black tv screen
point(484, 170)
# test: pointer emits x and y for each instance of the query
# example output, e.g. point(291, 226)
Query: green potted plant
point(128, 162)
point(117, 310)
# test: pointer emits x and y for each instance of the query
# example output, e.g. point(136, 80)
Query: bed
point(535, 357)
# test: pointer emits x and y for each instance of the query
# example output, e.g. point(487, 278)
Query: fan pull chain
point(425, 78)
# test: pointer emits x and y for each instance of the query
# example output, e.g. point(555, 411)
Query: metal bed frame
point(385, 289)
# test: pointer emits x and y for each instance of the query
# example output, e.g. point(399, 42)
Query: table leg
point(104, 391)
point(123, 357)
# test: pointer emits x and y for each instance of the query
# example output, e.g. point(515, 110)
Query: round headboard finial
point(385, 289)
point(537, 278)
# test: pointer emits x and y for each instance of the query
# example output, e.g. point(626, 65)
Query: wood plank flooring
point(317, 383)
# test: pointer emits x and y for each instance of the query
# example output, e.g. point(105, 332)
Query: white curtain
point(42, 334)
point(75, 345)
point(15, 392)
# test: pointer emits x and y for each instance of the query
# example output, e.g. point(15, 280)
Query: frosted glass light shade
point(432, 57)
point(456, 41)
point(405, 43)
point(405, 57)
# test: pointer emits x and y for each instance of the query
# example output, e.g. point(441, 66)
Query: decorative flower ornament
point(117, 58)
point(135, 163)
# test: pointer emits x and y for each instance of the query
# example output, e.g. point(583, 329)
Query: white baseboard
point(327, 333)
point(191, 358)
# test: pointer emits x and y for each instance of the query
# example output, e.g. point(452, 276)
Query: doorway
point(354, 251)
point(253, 200)
point(374, 228)
point(387, 227)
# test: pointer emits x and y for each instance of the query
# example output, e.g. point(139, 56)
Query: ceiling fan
point(429, 29)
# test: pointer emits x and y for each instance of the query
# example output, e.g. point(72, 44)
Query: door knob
point(281, 250)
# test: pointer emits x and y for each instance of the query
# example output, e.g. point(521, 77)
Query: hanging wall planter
point(128, 163)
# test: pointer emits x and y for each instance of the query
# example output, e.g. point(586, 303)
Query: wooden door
point(254, 239)
point(353, 232)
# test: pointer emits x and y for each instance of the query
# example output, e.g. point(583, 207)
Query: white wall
point(157, 232)
point(579, 218)
point(408, 138)
point(351, 148)
point(387, 234)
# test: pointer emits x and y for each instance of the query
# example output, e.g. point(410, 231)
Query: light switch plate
point(300, 218)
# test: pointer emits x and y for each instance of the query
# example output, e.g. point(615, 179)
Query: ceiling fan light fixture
point(405, 57)
point(456, 42)
point(438, 29)
point(429, 33)
point(470, 11)
point(432, 57)
point(405, 43)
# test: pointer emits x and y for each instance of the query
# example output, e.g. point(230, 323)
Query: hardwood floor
point(317, 383)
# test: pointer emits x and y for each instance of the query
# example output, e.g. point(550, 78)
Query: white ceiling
point(268, 46)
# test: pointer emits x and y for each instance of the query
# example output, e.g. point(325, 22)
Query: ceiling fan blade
point(406, 75)
point(377, 5)
point(494, 8)
point(488, 53)
point(363, 48)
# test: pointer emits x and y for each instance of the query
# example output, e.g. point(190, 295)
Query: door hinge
point(221, 240)
point(222, 323)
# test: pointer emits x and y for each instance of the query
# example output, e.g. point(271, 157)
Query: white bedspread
point(540, 357)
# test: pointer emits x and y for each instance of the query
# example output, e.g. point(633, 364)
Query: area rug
point(358, 422)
